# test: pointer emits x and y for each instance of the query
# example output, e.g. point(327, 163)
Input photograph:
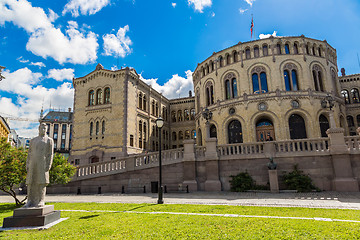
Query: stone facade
point(4, 128)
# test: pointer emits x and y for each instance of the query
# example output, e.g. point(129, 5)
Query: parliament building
point(268, 89)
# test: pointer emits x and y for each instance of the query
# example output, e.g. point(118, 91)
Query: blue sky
point(44, 44)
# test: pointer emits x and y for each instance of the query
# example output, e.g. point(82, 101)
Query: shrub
point(243, 182)
point(297, 180)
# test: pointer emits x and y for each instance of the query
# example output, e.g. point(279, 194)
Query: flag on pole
point(252, 25)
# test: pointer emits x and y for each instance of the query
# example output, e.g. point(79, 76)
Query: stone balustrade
point(241, 149)
point(135, 162)
point(317, 145)
point(200, 152)
point(353, 143)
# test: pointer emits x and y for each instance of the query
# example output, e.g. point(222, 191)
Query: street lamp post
point(329, 102)
point(207, 115)
point(159, 125)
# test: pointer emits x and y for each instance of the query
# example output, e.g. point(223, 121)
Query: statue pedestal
point(274, 182)
point(32, 217)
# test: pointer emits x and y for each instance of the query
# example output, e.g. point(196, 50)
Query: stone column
point(344, 180)
point(274, 182)
point(212, 183)
point(189, 166)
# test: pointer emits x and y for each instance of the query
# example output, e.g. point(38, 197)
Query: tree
point(13, 169)
point(61, 171)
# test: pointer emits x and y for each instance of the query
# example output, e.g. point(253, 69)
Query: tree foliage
point(13, 169)
point(297, 180)
point(61, 171)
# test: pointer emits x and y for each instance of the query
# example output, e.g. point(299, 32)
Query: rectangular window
point(131, 140)
point(77, 161)
point(56, 129)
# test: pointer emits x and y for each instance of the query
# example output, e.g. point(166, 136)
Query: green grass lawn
point(122, 225)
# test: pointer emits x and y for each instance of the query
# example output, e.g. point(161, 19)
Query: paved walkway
point(311, 200)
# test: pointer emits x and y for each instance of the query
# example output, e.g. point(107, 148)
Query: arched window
point(103, 127)
point(317, 77)
point(91, 98)
point(345, 95)
point(140, 100)
point(355, 95)
point(173, 116)
point(358, 120)
point(107, 95)
point(209, 94)
point(207, 69)
point(203, 71)
point(313, 51)
point(235, 56)
point(287, 49)
point(350, 121)
point(221, 61)
point(187, 134)
point(211, 66)
point(278, 49)
point(290, 77)
point(259, 80)
point(99, 96)
point(179, 116)
point(144, 102)
point(235, 132)
point(319, 50)
point(192, 114)
point(213, 132)
point(265, 130)
point(174, 136)
point(97, 128)
point(230, 86)
point(256, 51)
point(247, 53)
point(296, 48)
point(228, 59)
point(297, 127)
point(181, 135)
point(324, 125)
point(265, 50)
point(307, 50)
point(186, 115)
point(91, 128)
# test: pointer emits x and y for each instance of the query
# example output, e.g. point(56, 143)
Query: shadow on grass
point(88, 217)
point(7, 207)
point(141, 206)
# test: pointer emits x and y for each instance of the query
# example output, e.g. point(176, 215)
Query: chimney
point(190, 93)
point(69, 109)
point(343, 72)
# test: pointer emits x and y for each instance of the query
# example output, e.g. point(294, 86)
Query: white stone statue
point(38, 164)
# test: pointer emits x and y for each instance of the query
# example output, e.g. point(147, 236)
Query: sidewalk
point(310, 200)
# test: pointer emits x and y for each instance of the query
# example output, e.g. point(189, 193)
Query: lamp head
point(159, 122)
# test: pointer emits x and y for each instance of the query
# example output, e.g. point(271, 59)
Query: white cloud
point(85, 7)
point(174, 88)
point(118, 45)
point(22, 60)
point(61, 74)
point(199, 5)
point(39, 64)
point(74, 47)
point(45, 40)
point(173, 4)
point(263, 36)
point(22, 14)
point(250, 2)
point(30, 98)
point(212, 14)
point(242, 11)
